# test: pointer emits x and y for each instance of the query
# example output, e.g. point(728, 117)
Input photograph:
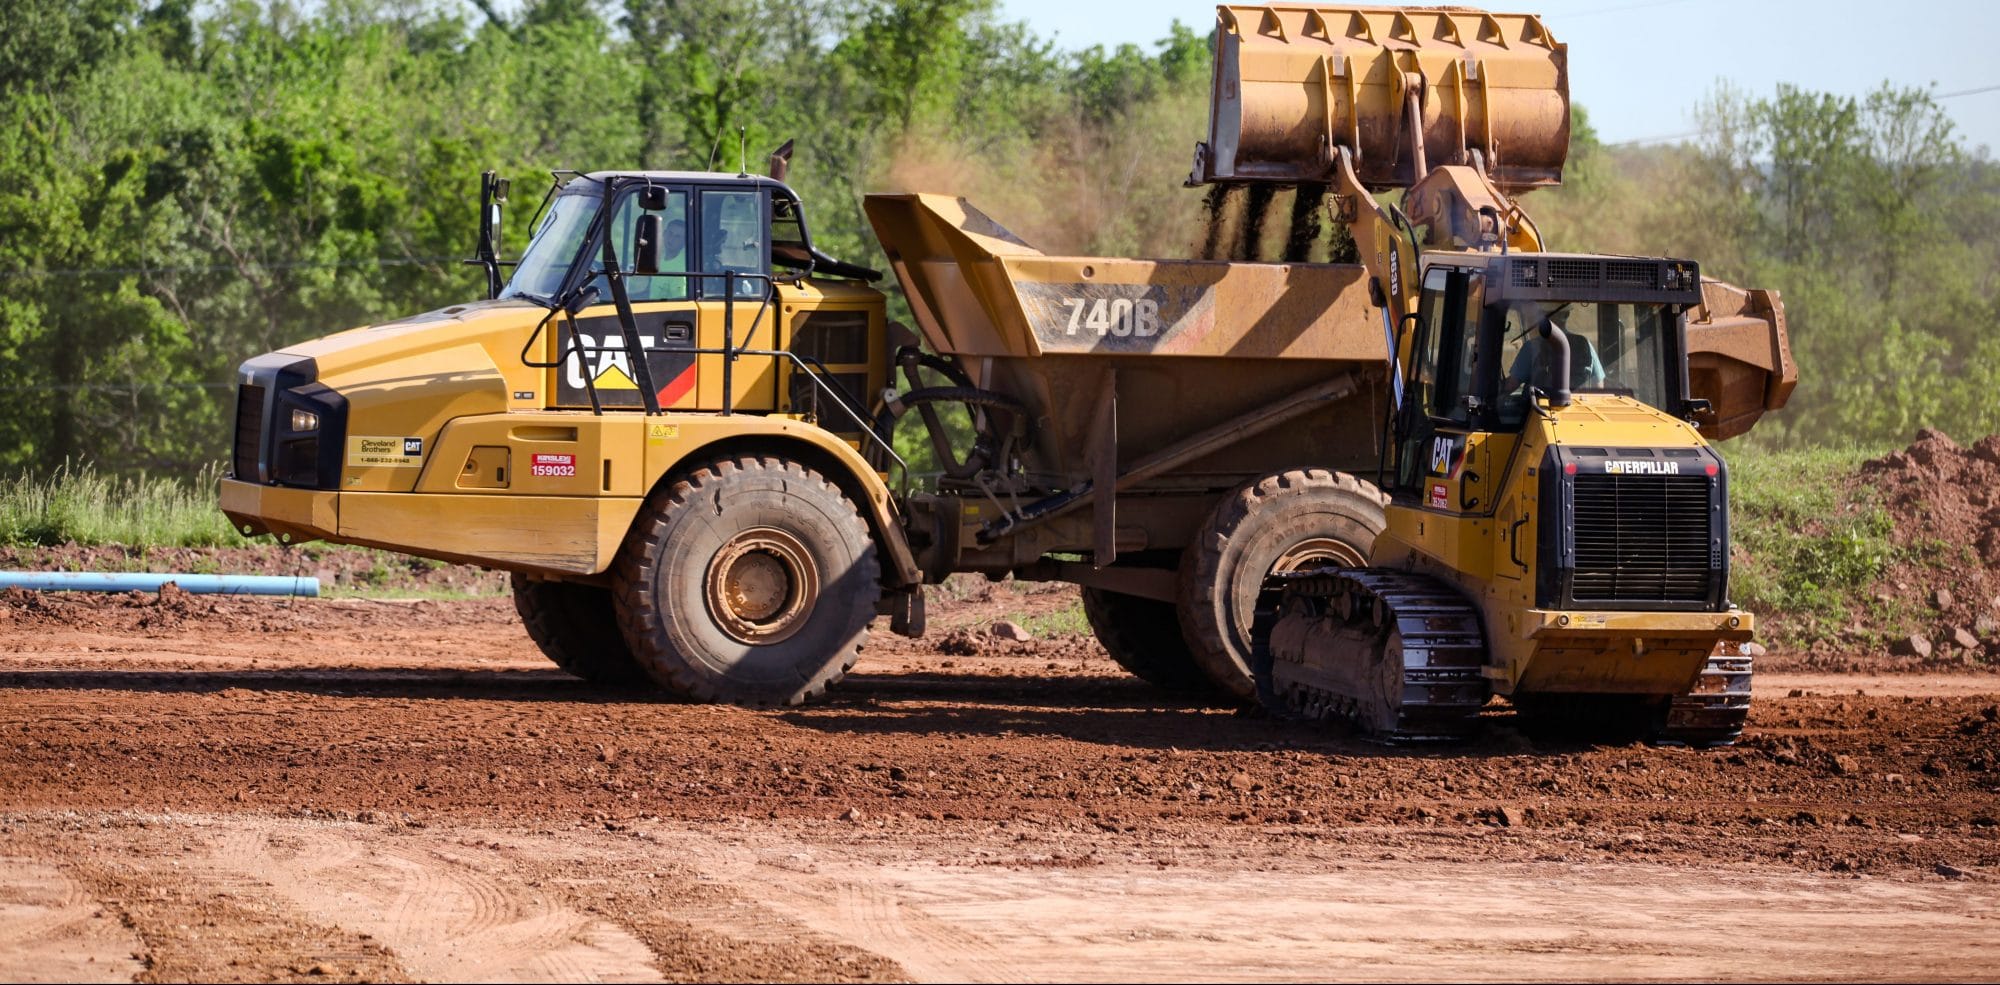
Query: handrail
point(813, 368)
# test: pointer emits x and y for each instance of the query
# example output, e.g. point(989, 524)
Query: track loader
point(1558, 518)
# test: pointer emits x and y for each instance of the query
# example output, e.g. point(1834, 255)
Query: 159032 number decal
point(555, 466)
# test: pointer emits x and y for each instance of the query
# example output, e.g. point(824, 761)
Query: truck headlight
point(304, 420)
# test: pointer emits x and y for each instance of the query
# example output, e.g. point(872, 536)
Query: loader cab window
point(1447, 348)
point(732, 237)
point(1614, 348)
point(789, 246)
point(1445, 357)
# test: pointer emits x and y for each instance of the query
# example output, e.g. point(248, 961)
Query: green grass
point(1810, 546)
point(81, 504)
point(1068, 621)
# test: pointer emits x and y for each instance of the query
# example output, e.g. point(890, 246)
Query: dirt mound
point(1944, 499)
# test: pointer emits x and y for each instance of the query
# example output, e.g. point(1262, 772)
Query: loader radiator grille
point(1642, 538)
point(249, 431)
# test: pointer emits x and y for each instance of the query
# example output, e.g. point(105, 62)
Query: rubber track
point(1444, 650)
point(1713, 713)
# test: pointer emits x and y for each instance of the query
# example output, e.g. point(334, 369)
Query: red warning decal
point(563, 466)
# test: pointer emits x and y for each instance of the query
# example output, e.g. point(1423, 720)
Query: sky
point(1641, 66)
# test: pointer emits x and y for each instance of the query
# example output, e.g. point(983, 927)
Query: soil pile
point(1945, 501)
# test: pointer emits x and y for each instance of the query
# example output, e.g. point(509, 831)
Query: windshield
point(1613, 348)
point(546, 262)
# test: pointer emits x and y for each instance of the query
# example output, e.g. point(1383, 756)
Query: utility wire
point(1662, 138)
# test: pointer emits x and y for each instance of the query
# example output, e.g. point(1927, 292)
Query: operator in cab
point(1523, 323)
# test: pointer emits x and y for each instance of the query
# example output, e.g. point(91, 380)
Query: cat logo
point(598, 362)
point(1447, 454)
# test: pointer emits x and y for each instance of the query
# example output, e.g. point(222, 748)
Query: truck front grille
point(249, 432)
point(1643, 538)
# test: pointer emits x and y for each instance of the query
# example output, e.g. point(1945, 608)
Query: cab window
point(673, 251)
point(732, 239)
point(1456, 353)
point(1613, 348)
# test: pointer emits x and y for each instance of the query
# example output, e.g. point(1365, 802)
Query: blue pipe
point(150, 581)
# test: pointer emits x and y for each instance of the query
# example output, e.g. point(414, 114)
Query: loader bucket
point(1739, 357)
point(1293, 81)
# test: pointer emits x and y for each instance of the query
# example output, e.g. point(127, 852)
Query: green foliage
point(1066, 621)
point(1869, 215)
point(1808, 543)
point(86, 506)
point(185, 185)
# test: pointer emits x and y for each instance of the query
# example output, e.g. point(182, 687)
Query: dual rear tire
point(1199, 644)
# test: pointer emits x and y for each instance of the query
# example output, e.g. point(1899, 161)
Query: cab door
point(735, 296)
point(1435, 422)
point(665, 311)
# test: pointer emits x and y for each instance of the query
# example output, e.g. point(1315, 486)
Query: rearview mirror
point(653, 198)
point(646, 248)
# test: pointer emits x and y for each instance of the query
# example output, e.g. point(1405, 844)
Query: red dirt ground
point(245, 789)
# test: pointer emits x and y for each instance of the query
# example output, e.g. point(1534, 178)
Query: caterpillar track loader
point(1557, 526)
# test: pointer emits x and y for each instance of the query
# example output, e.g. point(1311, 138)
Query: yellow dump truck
point(672, 421)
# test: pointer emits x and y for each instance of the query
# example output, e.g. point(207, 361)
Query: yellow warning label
point(614, 378)
point(385, 452)
point(662, 432)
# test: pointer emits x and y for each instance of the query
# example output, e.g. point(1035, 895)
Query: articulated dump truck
point(673, 421)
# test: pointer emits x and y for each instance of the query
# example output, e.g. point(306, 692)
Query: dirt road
point(253, 790)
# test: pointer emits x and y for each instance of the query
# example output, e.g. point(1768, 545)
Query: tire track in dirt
point(977, 914)
point(196, 923)
point(851, 910)
point(52, 930)
point(448, 914)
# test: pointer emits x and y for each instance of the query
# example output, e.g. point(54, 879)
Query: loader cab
point(1477, 362)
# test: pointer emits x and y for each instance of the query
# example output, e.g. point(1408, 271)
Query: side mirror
point(581, 299)
point(653, 198)
point(646, 248)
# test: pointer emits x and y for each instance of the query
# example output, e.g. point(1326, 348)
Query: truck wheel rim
point(761, 586)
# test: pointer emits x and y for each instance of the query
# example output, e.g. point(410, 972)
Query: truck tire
point(1287, 521)
point(1144, 636)
point(749, 580)
point(576, 627)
